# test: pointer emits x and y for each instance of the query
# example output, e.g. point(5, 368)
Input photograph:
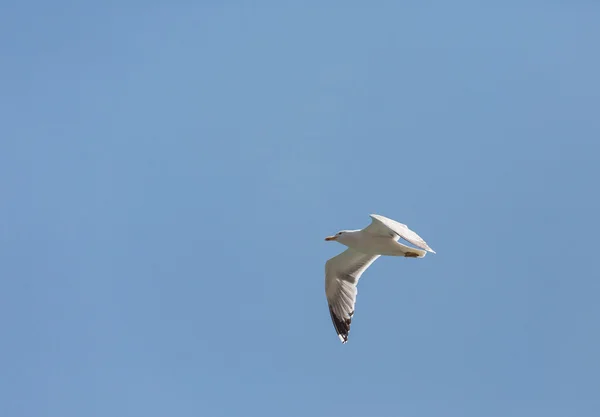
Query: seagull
point(343, 271)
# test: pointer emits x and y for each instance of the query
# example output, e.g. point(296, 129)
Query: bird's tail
point(409, 252)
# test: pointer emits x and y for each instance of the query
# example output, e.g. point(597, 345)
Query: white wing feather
point(383, 226)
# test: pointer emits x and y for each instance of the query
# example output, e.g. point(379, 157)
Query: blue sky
point(168, 172)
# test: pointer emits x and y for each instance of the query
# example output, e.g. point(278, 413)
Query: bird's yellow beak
point(328, 238)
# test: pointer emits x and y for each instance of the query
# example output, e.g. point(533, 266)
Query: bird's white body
point(364, 241)
point(343, 271)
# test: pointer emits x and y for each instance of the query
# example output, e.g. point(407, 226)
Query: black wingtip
point(342, 326)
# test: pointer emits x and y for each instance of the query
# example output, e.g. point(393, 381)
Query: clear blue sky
point(168, 171)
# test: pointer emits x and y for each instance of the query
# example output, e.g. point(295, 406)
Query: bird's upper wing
point(383, 226)
point(342, 273)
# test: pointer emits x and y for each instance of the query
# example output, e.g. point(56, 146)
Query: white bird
point(343, 271)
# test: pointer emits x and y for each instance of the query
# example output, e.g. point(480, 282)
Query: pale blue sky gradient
point(168, 171)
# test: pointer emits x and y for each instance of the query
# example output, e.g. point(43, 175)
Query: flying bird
point(343, 271)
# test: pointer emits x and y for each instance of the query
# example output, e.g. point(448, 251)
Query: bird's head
point(340, 236)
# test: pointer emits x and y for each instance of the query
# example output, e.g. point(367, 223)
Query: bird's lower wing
point(342, 273)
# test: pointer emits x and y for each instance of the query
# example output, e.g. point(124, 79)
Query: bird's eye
point(339, 233)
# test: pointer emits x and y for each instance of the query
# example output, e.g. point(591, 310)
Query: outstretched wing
point(342, 273)
point(383, 226)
